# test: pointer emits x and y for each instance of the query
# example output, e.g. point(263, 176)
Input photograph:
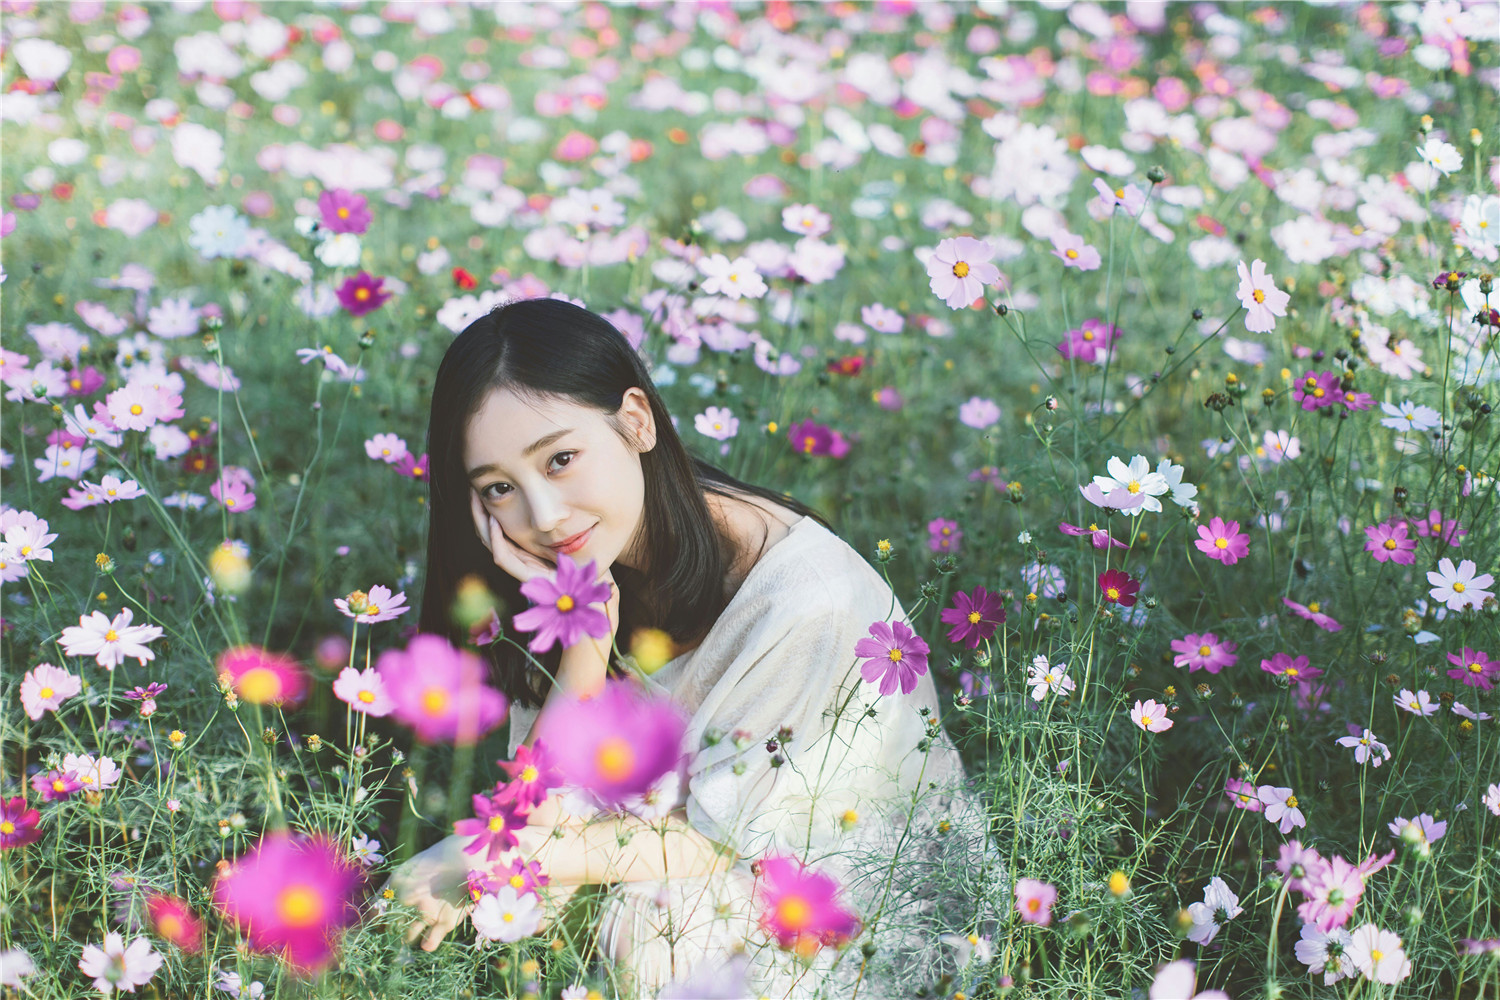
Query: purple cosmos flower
point(1312, 613)
point(615, 745)
point(1422, 830)
point(1203, 651)
point(1090, 342)
point(1433, 526)
point(55, 784)
point(943, 535)
point(1100, 537)
point(894, 655)
point(1074, 252)
point(564, 611)
point(1282, 665)
point(1223, 541)
point(529, 777)
point(493, 827)
point(1475, 668)
point(1391, 541)
point(1316, 390)
point(1118, 588)
point(1281, 807)
point(344, 211)
point(1242, 795)
point(362, 294)
point(1034, 899)
point(812, 438)
point(974, 617)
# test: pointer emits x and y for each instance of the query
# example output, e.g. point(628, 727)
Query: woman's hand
point(436, 883)
point(509, 556)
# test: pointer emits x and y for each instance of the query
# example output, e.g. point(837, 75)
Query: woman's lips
point(573, 544)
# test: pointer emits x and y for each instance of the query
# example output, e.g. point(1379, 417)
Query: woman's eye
point(488, 495)
point(564, 457)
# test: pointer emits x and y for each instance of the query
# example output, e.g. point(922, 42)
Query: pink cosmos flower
point(1312, 613)
point(1333, 890)
point(811, 438)
point(1223, 541)
point(1178, 981)
point(524, 876)
point(805, 220)
point(387, 448)
point(1204, 651)
point(1459, 587)
point(529, 777)
point(19, 825)
point(1433, 526)
point(974, 617)
point(363, 691)
point(960, 269)
point(1131, 198)
point(1367, 748)
point(172, 919)
point(1297, 864)
point(1282, 665)
point(1074, 252)
point(362, 294)
point(110, 641)
point(1280, 807)
point(1089, 342)
point(1034, 899)
point(565, 609)
point(978, 413)
point(134, 407)
point(235, 496)
point(29, 539)
point(344, 211)
point(615, 745)
point(262, 677)
point(1151, 715)
point(1472, 666)
point(379, 605)
point(54, 785)
point(943, 535)
point(881, 319)
point(1118, 588)
point(1099, 537)
point(1390, 541)
point(292, 896)
point(1262, 300)
point(1417, 703)
point(1242, 795)
point(1378, 954)
point(493, 827)
point(440, 691)
point(894, 655)
point(1422, 828)
point(802, 908)
point(45, 687)
point(118, 966)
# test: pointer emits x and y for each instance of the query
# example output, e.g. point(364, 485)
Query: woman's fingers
point(440, 930)
point(481, 519)
point(415, 930)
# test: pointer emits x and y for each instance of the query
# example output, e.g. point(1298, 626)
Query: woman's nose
point(547, 510)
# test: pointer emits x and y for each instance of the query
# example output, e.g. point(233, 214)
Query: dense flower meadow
point(1149, 350)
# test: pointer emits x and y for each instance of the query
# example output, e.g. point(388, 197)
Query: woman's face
point(551, 470)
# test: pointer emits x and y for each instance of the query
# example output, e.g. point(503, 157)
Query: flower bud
point(1156, 175)
point(366, 340)
point(177, 738)
point(358, 601)
point(883, 550)
point(1015, 492)
point(1119, 884)
point(314, 742)
point(105, 563)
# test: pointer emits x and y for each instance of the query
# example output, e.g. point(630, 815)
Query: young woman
point(548, 437)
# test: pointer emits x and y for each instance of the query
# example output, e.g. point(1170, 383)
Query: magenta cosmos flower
point(812, 438)
point(440, 692)
point(1242, 795)
point(894, 655)
point(1333, 889)
point(172, 919)
point(1099, 537)
point(362, 294)
point(801, 908)
point(1475, 668)
point(1312, 611)
point(1204, 651)
point(1034, 899)
point(1074, 252)
point(493, 827)
point(943, 535)
point(1151, 715)
point(1433, 526)
point(1090, 342)
point(261, 677)
point(1391, 542)
point(55, 784)
point(19, 825)
point(344, 211)
point(291, 895)
point(615, 745)
point(529, 777)
point(564, 612)
point(974, 617)
point(1262, 300)
point(1118, 588)
point(1282, 665)
point(1223, 540)
point(1316, 390)
point(960, 268)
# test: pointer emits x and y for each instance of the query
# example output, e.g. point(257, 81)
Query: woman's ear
point(636, 419)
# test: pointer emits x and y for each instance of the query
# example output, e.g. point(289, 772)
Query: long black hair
point(551, 348)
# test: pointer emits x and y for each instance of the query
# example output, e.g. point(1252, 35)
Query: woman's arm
point(624, 849)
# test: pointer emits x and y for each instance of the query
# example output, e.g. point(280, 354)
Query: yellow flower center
point(1134, 486)
point(46, 693)
point(1476, 668)
point(1260, 296)
point(1113, 593)
point(1292, 671)
point(361, 294)
point(961, 269)
point(615, 759)
point(974, 617)
point(299, 906)
point(529, 773)
point(1291, 801)
point(1119, 193)
point(1222, 543)
point(59, 785)
point(111, 636)
point(343, 213)
point(1205, 650)
point(895, 655)
point(1313, 606)
point(1390, 544)
point(1146, 721)
point(373, 609)
point(807, 444)
point(136, 409)
point(517, 883)
point(565, 603)
point(1071, 254)
point(170, 927)
point(366, 696)
point(794, 912)
point(496, 824)
point(259, 685)
point(7, 827)
point(1376, 954)
point(1458, 588)
point(1088, 335)
point(434, 700)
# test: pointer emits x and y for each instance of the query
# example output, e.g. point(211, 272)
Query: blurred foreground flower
point(229, 566)
point(18, 824)
point(440, 692)
point(1034, 899)
point(262, 677)
point(802, 909)
point(172, 919)
point(615, 745)
point(291, 895)
point(1177, 981)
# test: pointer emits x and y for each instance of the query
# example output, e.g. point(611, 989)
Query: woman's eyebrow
point(531, 449)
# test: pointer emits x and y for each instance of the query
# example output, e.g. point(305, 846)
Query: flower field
point(1149, 351)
